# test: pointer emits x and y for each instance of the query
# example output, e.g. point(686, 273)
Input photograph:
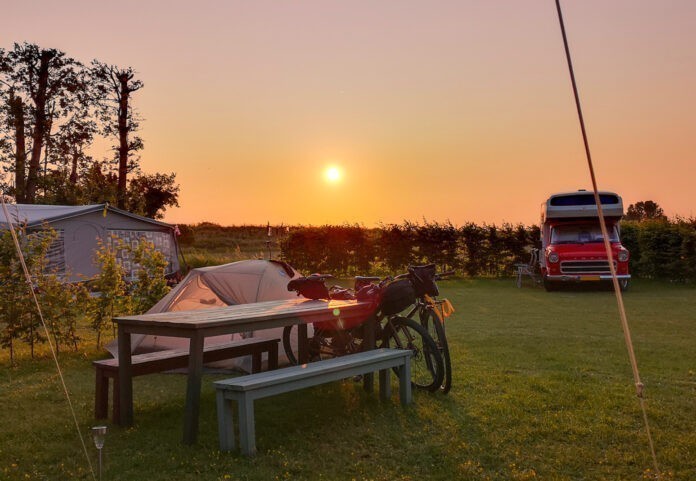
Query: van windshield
point(581, 234)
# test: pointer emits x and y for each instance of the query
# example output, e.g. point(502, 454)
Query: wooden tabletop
point(258, 312)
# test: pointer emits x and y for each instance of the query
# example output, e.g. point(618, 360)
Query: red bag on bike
point(341, 294)
point(369, 292)
point(311, 287)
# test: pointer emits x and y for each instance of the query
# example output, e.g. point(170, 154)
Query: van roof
point(581, 204)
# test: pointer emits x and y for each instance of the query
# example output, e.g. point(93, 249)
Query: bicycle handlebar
point(444, 274)
point(405, 275)
point(320, 277)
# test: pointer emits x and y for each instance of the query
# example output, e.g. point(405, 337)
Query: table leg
point(193, 388)
point(302, 344)
point(125, 378)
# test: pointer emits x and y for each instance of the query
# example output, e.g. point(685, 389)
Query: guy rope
point(30, 287)
point(619, 297)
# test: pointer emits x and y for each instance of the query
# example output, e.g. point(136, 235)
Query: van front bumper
point(585, 277)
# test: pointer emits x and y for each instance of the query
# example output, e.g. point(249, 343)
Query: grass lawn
point(542, 390)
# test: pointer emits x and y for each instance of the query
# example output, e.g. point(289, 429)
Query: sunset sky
point(452, 110)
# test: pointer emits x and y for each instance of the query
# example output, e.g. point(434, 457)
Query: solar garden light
point(99, 434)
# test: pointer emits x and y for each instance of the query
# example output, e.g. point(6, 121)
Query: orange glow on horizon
point(460, 113)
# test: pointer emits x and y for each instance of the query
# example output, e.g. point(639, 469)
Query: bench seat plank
point(245, 389)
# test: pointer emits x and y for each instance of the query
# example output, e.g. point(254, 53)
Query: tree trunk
point(73, 169)
point(39, 126)
point(123, 140)
point(17, 113)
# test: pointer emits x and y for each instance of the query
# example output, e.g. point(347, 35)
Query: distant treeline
point(660, 249)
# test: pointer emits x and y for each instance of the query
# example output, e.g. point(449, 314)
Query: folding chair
point(528, 269)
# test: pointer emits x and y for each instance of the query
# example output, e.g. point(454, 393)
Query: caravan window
point(55, 255)
point(131, 238)
point(583, 199)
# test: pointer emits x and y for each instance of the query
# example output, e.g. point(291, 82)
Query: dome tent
point(219, 286)
point(240, 282)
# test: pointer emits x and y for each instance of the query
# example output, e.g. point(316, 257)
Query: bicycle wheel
point(322, 345)
point(287, 345)
point(431, 322)
point(427, 369)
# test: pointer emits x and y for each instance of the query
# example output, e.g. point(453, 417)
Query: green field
point(542, 390)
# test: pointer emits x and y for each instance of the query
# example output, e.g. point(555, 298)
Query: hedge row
point(660, 249)
point(350, 250)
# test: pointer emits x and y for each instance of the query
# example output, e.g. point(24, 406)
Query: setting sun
point(332, 174)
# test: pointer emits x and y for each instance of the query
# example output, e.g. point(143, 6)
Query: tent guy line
point(607, 247)
point(30, 287)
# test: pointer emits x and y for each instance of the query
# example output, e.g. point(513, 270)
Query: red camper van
point(572, 247)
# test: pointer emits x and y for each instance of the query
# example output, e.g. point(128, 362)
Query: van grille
point(586, 267)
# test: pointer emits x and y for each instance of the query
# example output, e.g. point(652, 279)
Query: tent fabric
point(229, 284)
point(79, 229)
point(36, 214)
point(218, 286)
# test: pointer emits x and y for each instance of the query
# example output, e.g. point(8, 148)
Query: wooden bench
point(246, 389)
point(153, 362)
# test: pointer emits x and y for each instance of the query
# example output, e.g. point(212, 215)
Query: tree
point(151, 284)
point(150, 195)
point(52, 109)
point(98, 186)
point(120, 119)
point(12, 133)
point(40, 88)
point(62, 306)
point(19, 319)
point(645, 210)
point(111, 287)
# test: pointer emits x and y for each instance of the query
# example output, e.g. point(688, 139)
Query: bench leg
point(256, 362)
point(405, 382)
point(384, 384)
point(273, 358)
point(370, 343)
point(101, 395)
point(225, 422)
point(116, 401)
point(247, 432)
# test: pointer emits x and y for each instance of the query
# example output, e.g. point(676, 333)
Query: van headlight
point(623, 255)
point(553, 257)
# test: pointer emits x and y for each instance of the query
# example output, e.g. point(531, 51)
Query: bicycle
point(336, 338)
point(432, 312)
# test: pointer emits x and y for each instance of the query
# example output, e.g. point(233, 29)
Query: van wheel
point(623, 285)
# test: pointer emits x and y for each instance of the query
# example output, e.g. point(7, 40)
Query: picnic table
point(199, 324)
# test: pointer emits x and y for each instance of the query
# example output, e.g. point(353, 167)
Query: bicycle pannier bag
point(423, 280)
point(397, 296)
